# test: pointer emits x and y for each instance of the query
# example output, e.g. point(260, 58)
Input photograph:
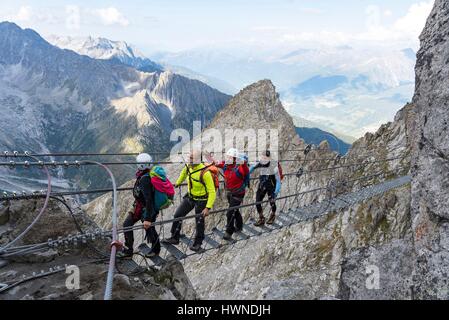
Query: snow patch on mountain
point(98, 48)
point(105, 49)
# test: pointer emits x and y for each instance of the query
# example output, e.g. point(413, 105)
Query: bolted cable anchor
point(300, 173)
point(27, 153)
point(66, 164)
point(337, 159)
point(332, 186)
point(6, 153)
point(307, 149)
point(12, 164)
point(27, 164)
point(15, 153)
point(77, 164)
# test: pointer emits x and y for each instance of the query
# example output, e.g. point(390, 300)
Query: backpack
point(164, 192)
point(215, 173)
point(246, 178)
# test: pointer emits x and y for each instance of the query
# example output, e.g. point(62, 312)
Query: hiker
point(236, 179)
point(269, 184)
point(152, 192)
point(201, 193)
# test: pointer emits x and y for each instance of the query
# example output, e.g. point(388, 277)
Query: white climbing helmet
point(144, 161)
point(233, 153)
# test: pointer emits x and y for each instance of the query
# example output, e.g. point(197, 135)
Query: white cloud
point(25, 13)
point(404, 30)
point(413, 22)
point(324, 36)
point(325, 103)
point(111, 16)
point(28, 16)
point(73, 17)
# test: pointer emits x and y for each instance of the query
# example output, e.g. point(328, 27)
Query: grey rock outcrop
point(151, 283)
point(430, 160)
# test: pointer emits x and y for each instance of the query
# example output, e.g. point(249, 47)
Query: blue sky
point(180, 25)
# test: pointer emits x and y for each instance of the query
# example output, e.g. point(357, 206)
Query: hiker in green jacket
point(200, 196)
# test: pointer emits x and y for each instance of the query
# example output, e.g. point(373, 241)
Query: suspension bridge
point(327, 198)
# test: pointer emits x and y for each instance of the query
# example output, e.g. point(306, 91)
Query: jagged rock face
point(401, 236)
point(422, 259)
point(394, 261)
point(303, 261)
point(166, 282)
point(430, 200)
point(57, 100)
point(249, 104)
point(306, 261)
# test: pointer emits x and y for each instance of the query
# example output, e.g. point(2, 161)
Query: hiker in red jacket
point(236, 178)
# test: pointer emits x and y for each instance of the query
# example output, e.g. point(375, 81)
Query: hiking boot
point(227, 236)
point(126, 253)
point(260, 222)
point(196, 248)
point(171, 240)
point(152, 253)
point(271, 219)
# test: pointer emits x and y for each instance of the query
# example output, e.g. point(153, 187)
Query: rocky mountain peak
point(260, 106)
point(430, 157)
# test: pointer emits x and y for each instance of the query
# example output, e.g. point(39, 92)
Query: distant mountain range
point(120, 51)
point(105, 49)
point(350, 90)
point(303, 123)
point(340, 89)
point(54, 99)
point(315, 136)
